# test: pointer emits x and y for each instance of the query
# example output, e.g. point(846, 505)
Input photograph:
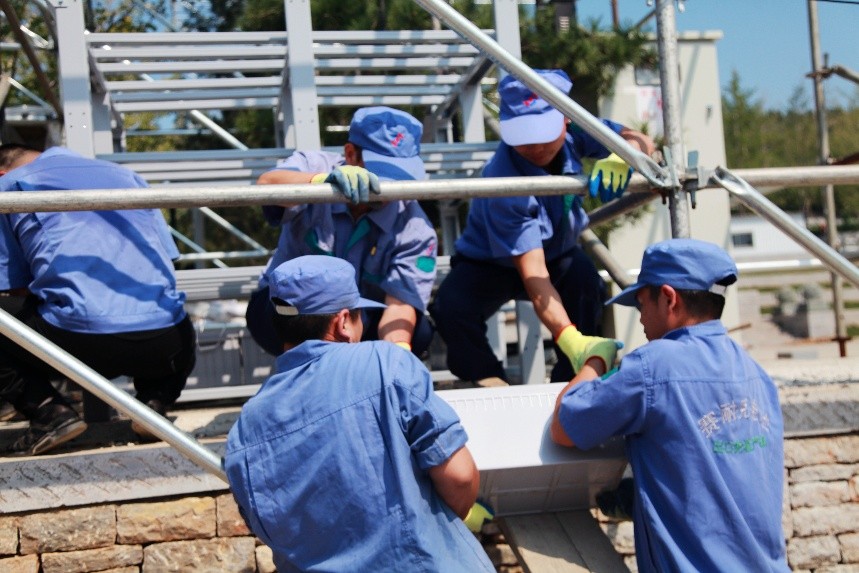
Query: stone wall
point(181, 535)
point(184, 534)
point(206, 533)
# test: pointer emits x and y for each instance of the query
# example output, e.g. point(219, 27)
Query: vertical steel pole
point(669, 77)
point(828, 190)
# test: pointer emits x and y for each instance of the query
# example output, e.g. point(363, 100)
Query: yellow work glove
point(609, 178)
point(579, 347)
point(479, 514)
point(355, 183)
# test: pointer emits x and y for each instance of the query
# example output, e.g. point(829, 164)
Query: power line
point(853, 2)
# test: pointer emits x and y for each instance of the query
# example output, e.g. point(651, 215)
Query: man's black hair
point(294, 330)
point(10, 153)
point(701, 304)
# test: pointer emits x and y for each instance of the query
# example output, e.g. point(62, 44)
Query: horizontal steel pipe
point(434, 189)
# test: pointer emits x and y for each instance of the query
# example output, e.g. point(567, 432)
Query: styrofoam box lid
point(521, 469)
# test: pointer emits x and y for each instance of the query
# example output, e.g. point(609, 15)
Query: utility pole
point(828, 190)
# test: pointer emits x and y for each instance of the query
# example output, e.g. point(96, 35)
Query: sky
point(766, 41)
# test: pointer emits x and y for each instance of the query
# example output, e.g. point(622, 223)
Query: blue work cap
point(686, 264)
point(390, 141)
point(525, 117)
point(315, 284)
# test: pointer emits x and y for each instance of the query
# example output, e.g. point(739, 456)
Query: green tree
point(756, 137)
point(591, 56)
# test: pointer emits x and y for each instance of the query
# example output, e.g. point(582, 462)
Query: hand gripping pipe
point(655, 174)
point(91, 380)
point(755, 201)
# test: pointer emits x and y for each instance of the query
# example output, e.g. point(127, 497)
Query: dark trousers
point(259, 320)
point(159, 361)
point(474, 290)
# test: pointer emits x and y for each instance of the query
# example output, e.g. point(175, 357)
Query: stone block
point(115, 557)
point(813, 552)
point(853, 488)
point(621, 536)
point(24, 564)
point(230, 522)
point(265, 559)
point(233, 554)
point(827, 450)
point(841, 568)
point(819, 493)
point(129, 569)
point(186, 518)
point(809, 521)
point(825, 472)
point(849, 547)
point(68, 530)
point(8, 536)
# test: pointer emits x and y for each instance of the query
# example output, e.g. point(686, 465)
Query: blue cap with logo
point(525, 117)
point(390, 141)
point(686, 264)
point(315, 284)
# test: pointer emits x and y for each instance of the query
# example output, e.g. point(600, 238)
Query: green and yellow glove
point(609, 178)
point(479, 514)
point(579, 347)
point(355, 183)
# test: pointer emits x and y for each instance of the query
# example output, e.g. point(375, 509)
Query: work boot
point(144, 434)
point(7, 411)
point(54, 424)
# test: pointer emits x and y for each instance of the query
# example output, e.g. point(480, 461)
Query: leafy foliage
point(591, 56)
point(757, 137)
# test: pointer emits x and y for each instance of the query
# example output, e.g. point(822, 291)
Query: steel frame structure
point(673, 179)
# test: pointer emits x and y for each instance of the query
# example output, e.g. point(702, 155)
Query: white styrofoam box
point(521, 469)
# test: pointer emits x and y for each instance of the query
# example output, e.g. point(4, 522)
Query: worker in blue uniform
point(526, 247)
point(701, 421)
point(346, 460)
point(392, 245)
point(99, 284)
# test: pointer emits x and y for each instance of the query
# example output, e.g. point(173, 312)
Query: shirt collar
point(708, 328)
point(384, 217)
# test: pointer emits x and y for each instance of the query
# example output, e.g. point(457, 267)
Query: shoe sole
point(59, 436)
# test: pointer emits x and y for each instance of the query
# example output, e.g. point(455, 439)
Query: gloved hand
point(479, 514)
point(354, 182)
point(609, 178)
point(579, 347)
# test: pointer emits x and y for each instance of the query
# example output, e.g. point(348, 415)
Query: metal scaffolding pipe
point(829, 189)
point(434, 189)
point(669, 80)
point(596, 249)
point(755, 201)
point(92, 381)
point(799, 176)
point(465, 28)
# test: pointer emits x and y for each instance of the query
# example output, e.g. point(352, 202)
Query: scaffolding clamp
point(696, 177)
